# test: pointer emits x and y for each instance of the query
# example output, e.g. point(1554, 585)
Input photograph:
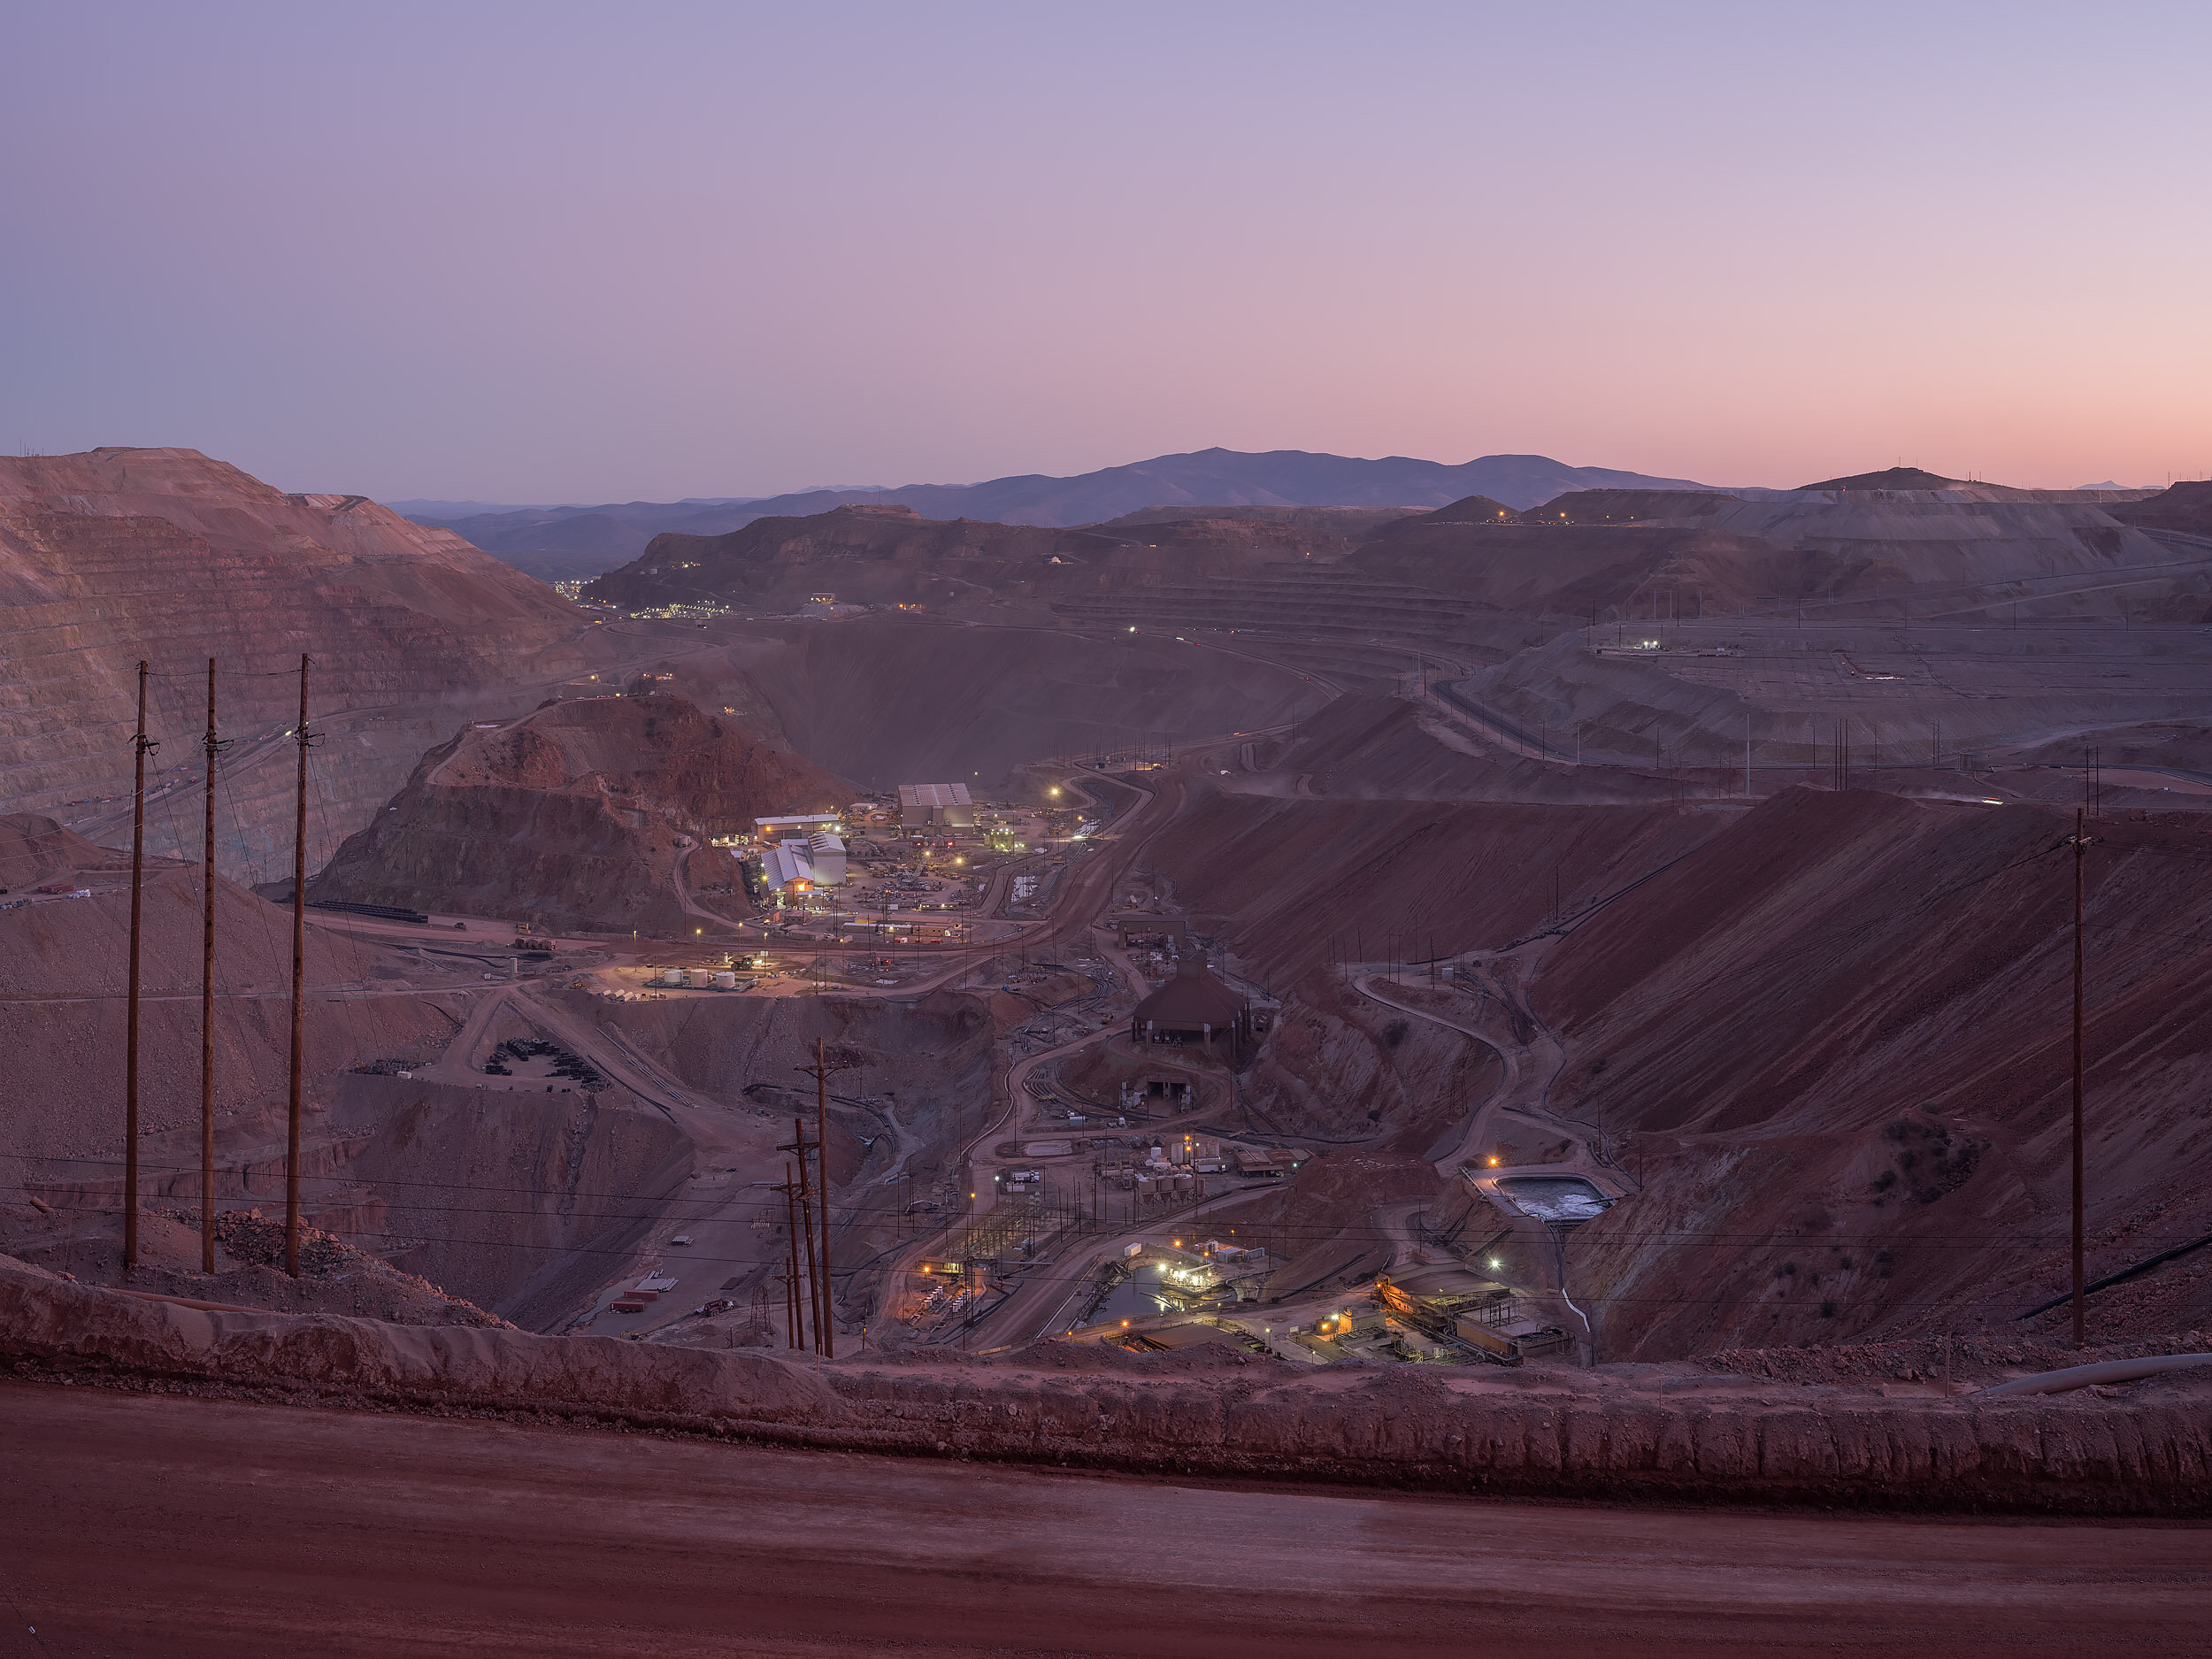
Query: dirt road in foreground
point(151, 1525)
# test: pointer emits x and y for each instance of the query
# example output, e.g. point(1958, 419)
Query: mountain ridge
point(560, 542)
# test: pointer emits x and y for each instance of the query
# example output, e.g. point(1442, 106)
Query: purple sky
point(546, 252)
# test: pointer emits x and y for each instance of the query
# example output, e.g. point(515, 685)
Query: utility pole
point(793, 1325)
point(207, 992)
point(828, 1322)
point(141, 746)
point(804, 1222)
point(299, 990)
point(2080, 843)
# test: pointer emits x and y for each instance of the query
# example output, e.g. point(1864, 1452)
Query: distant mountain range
point(556, 542)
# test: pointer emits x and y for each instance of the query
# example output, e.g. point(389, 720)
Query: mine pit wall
point(930, 1052)
point(883, 702)
point(1399, 875)
point(1296, 882)
point(1616, 702)
point(1838, 1036)
point(75, 657)
point(521, 1202)
point(1340, 1068)
point(934, 1054)
point(561, 860)
point(1754, 1024)
point(68, 1052)
point(1402, 1427)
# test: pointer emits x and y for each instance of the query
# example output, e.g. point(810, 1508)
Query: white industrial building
point(793, 866)
point(923, 803)
point(826, 853)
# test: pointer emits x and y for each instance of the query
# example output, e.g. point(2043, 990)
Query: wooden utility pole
point(207, 993)
point(793, 1325)
point(299, 990)
point(802, 1224)
point(130, 1042)
point(824, 1312)
point(2081, 848)
point(828, 1323)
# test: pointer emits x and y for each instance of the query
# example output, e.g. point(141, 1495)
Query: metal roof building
point(936, 804)
point(1194, 1003)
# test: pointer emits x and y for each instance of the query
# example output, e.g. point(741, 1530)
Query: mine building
point(785, 868)
point(1463, 1310)
point(1193, 1007)
point(792, 865)
point(826, 853)
point(794, 825)
point(922, 805)
point(1142, 927)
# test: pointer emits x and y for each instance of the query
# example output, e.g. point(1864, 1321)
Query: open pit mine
point(1612, 1000)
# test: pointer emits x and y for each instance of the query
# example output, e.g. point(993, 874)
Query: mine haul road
point(159, 1524)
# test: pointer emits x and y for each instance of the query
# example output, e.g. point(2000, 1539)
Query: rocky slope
point(63, 971)
point(1829, 1035)
point(1710, 553)
point(2185, 507)
point(572, 818)
point(1837, 1037)
point(902, 699)
point(116, 555)
point(863, 555)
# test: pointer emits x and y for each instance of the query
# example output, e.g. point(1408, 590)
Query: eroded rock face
point(572, 818)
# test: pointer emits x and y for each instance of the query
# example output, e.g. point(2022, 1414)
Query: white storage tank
point(671, 976)
point(725, 981)
point(699, 979)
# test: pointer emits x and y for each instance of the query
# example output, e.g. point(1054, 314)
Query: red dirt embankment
point(63, 975)
point(1636, 1434)
point(1297, 883)
point(1841, 1037)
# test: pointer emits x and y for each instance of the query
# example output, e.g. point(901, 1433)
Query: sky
point(549, 252)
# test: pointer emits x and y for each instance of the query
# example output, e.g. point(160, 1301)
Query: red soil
point(572, 818)
point(341, 1533)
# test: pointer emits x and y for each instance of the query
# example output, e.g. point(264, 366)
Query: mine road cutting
point(1529, 1069)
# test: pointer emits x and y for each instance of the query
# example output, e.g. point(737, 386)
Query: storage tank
point(671, 976)
point(725, 981)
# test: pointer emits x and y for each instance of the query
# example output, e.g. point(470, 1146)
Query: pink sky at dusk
point(538, 253)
